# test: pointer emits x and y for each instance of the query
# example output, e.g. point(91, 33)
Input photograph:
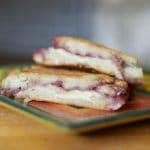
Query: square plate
point(77, 119)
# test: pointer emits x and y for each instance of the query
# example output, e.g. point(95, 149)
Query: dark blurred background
point(28, 25)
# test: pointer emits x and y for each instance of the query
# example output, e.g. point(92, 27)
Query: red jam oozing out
point(94, 87)
point(115, 59)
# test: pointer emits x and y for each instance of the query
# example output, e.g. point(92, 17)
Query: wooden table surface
point(19, 132)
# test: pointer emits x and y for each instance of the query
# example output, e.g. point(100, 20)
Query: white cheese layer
point(133, 74)
point(58, 95)
point(24, 80)
point(60, 56)
point(42, 90)
point(89, 99)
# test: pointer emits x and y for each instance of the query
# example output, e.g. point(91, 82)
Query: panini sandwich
point(80, 53)
point(67, 87)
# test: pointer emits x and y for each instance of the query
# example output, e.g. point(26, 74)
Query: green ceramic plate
point(77, 119)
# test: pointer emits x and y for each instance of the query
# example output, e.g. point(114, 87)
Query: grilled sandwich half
point(67, 87)
point(80, 53)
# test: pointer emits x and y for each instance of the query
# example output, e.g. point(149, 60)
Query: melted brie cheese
point(57, 57)
point(35, 87)
point(58, 95)
point(90, 99)
point(60, 56)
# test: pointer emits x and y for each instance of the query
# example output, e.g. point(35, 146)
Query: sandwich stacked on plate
point(76, 72)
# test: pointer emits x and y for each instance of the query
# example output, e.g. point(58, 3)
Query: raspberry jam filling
point(58, 45)
point(119, 63)
point(118, 91)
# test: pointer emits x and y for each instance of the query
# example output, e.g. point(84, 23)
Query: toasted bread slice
point(80, 53)
point(79, 44)
point(67, 87)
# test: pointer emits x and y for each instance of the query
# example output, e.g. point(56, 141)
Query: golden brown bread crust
point(74, 68)
point(77, 67)
point(63, 72)
point(73, 74)
point(91, 45)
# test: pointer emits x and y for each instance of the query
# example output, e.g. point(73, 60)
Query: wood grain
point(19, 132)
